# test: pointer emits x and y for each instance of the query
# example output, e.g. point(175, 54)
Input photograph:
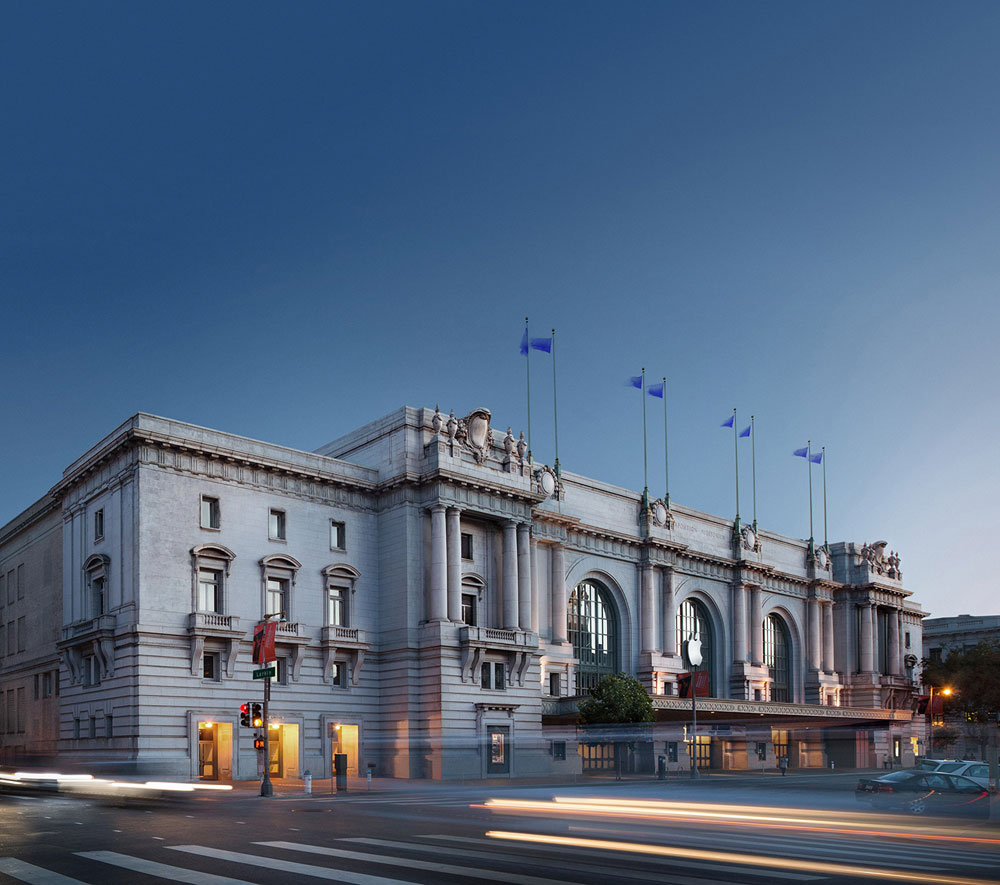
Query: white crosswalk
point(455, 859)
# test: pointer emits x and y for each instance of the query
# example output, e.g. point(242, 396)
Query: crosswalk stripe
point(614, 872)
point(164, 871)
point(26, 872)
point(734, 867)
point(416, 864)
point(290, 868)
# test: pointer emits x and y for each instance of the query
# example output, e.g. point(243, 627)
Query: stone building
point(443, 601)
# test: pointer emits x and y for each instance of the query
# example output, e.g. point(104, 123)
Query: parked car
point(932, 764)
point(977, 771)
point(924, 792)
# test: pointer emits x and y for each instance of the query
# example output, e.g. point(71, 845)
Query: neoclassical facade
point(443, 603)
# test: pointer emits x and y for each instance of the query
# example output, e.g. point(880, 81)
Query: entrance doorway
point(283, 750)
point(215, 751)
point(344, 739)
point(498, 750)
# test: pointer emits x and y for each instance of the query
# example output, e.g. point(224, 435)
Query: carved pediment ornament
point(660, 514)
point(749, 539)
point(476, 434)
point(879, 561)
point(545, 480)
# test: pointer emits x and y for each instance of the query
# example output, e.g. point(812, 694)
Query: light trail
point(802, 866)
point(725, 815)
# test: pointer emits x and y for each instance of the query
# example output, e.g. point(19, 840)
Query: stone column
point(894, 643)
point(437, 596)
point(534, 586)
point(454, 564)
point(669, 614)
point(524, 576)
point(828, 665)
point(647, 609)
point(739, 623)
point(815, 657)
point(756, 628)
point(875, 647)
point(510, 609)
point(558, 594)
point(867, 664)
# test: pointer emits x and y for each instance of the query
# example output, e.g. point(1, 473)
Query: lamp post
point(694, 657)
point(930, 727)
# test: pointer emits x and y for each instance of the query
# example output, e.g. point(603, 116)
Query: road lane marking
point(26, 872)
point(410, 863)
point(164, 871)
point(290, 868)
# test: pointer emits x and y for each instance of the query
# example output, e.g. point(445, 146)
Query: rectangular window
point(338, 675)
point(99, 524)
point(935, 654)
point(20, 582)
point(36, 687)
point(208, 590)
point(469, 609)
point(338, 535)
point(11, 587)
point(91, 671)
point(337, 609)
point(76, 729)
point(559, 749)
point(3, 643)
point(281, 671)
point(3, 589)
point(671, 751)
point(21, 711)
point(211, 515)
point(466, 546)
point(276, 525)
point(21, 634)
point(906, 638)
point(93, 727)
point(210, 666)
point(11, 711)
point(56, 680)
point(277, 596)
point(554, 684)
point(47, 684)
point(108, 726)
point(11, 638)
point(761, 750)
point(97, 596)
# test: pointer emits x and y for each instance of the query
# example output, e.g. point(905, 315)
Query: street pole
point(694, 722)
point(266, 789)
point(930, 725)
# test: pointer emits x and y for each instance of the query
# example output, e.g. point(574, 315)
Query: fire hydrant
point(307, 781)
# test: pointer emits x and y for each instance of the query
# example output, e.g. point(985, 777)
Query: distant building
point(445, 602)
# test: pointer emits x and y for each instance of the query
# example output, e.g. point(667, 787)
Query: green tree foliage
point(616, 699)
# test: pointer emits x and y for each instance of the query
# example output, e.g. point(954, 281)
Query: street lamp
point(946, 691)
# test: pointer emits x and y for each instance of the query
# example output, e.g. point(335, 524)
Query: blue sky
point(285, 222)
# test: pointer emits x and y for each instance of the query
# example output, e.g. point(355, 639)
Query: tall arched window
point(593, 629)
point(777, 657)
point(692, 618)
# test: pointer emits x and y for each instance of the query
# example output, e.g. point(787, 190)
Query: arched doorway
point(693, 618)
point(777, 657)
point(592, 627)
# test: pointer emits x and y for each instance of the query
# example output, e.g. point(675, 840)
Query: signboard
point(263, 642)
point(701, 680)
point(265, 673)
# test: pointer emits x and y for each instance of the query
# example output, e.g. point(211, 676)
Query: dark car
point(924, 792)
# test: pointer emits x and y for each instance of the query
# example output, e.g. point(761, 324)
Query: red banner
point(701, 682)
point(263, 642)
point(925, 705)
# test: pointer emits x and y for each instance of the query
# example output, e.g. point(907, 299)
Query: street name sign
point(264, 673)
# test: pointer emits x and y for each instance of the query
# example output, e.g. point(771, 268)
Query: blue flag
point(801, 453)
point(745, 432)
point(635, 381)
point(816, 459)
point(524, 343)
point(541, 344)
point(655, 390)
point(728, 423)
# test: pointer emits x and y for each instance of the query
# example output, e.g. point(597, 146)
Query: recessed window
point(493, 676)
point(559, 749)
point(906, 637)
point(281, 671)
point(97, 600)
point(338, 675)
point(337, 605)
point(209, 584)
point(466, 546)
point(91, 671)
point(99, 524)
point(338, 535)
point(211, 514)
point(47, 683)
point(210, 666)
point(277, 596)
point(276, 525)
point(469, 609)
point(22, 634)
point(554, 684)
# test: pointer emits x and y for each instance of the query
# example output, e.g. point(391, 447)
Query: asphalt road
point(678, 833)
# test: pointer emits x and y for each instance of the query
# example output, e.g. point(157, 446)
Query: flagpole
point(753, 467)
point(527, 363)
point(555, 414)
point(666, 450)
point(809, 468)
point(645, 472)
point(736, 458)
point(825, 544)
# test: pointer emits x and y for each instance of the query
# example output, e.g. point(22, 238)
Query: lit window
point(337, 608)
point(99, 524)
point(338, 535)
point(276, 525)
point(338, 675)
point(211, 515)
point(277, 596)
point(209, 581)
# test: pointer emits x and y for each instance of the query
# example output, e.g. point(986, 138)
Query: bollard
point(371, 768)
point(832, 764)
point(307, 781)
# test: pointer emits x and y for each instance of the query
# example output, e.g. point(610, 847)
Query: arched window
point(593, 629)
point(777, 657)
point(96, 571)
point(692, 618)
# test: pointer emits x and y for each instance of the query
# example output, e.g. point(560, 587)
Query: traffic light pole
point(266, 789)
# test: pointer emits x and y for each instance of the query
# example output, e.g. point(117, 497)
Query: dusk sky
point(286, 220)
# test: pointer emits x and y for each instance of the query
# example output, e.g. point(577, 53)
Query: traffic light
point(245, 715)
point(258, 743)
point(257, 715)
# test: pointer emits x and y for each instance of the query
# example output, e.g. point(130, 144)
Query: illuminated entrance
point(215, 751)
point(283, 749)
point(344, 739)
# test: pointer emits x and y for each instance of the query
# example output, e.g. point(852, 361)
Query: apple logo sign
point(694, 650)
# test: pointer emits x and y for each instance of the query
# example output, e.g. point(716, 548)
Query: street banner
point(700, 684)
point(263, 642)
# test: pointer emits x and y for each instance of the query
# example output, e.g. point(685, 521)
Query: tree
point(617, 700)
point(973, 674)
